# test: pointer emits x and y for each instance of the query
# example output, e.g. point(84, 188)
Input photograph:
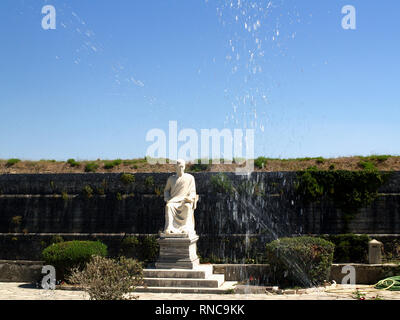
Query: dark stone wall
point(263, 207)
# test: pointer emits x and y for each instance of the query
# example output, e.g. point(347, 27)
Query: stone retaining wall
point(263, 207)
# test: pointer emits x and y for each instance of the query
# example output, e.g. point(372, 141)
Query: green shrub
point(349, 248)
point(260, 162)
point(127, 178)
point(11, 162)
point(109, 279)
point(301, 261)
point(91, 167)
point(72, 254)
point(73, 163)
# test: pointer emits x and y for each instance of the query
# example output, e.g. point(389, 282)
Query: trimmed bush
point(300, 261)
point(72, 254)
point(349, 248)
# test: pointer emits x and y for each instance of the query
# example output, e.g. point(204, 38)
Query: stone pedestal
point(375, 252)
point(177, 252)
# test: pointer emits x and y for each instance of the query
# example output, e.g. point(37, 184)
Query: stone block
point(177, 252)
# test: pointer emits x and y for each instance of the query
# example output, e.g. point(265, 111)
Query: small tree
point(109, 279)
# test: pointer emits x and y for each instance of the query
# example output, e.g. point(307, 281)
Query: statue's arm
point(191, 196)
point(167, 189)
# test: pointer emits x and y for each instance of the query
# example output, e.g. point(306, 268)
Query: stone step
point(225, 288)
point(212, 281)
point(201, 272)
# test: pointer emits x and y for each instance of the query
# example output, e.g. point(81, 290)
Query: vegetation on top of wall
point(381, 162)
point(91, 167)
point(111, 164)
point(300, 261)
point(11, 162)
point(73, 163)
point(367, 165)
point(198, 167)
point(349, 190)
point(260, 162)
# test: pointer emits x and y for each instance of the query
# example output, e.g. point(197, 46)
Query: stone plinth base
point(177, 252)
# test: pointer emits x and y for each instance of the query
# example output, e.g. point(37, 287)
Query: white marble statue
point(181, 199)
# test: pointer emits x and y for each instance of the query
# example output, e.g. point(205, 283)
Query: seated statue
point(181, 199)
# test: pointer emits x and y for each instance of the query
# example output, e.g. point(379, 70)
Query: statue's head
point(180, 166)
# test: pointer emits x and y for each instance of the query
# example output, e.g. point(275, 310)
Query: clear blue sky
point(113, 70)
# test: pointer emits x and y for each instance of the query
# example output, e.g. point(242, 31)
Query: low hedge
point(300, 261)
point(72, 254)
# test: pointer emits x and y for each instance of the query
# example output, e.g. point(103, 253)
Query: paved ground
point(21, 291)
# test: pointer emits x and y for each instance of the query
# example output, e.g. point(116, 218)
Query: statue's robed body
point(180, 198)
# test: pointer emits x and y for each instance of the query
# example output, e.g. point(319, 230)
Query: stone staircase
point(197, 280)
